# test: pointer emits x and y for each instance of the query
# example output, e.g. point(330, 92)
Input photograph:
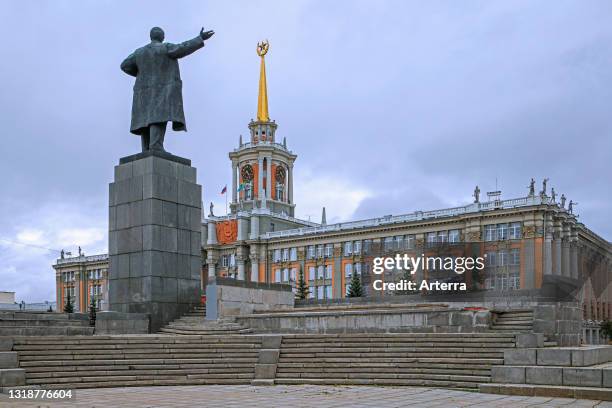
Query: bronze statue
point(543, 192)
point(158, 97)
point(476, 195)
point(553, 195)
point(532, 187)
point(563, 200)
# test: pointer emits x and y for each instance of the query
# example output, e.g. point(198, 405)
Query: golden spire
point(262, 99)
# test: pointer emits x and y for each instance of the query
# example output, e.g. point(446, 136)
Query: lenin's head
point(157, 34)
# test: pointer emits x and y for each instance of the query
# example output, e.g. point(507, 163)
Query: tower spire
point(262, 99)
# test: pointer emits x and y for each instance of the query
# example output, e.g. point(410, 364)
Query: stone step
point(8, 359)
point(36, 315)
point(117, 356)
point(292, 373)
point(378, 381)
point(391, 342)
point(135, 348)
point(41, 323)
point(391, 335)
point(590, 393)
point(11, 377)
point(202, 332)
point(199, 326)
point(400, 345)
point(164, 372)
point(97, 379)
point(151, 382)
point(510, 328)
point(127, 339)
point(380, 375)
point(57, 370)
point(105, 347)
point(388, 362)
point(516, 318)
point(399, 357)
point(411, 355)
point(392, 350)
point(513, 322)
point(150, 362)
point(46, 331)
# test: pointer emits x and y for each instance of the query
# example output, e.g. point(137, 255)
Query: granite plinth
point(156, 153)
point(154, 238)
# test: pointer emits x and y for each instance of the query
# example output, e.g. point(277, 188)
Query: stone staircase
point(194, 323)
point(513, 321)
point(137, 360)
point(566, 372)
point(11, 376)
point(27, 323)
point(461, 360)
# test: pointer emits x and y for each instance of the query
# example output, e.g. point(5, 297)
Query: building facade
point(84, 278)
point(524, 240)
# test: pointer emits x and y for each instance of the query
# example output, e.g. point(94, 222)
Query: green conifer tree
point(68, 307)
point(302, 289)
point(92, 311)
point(355, 289)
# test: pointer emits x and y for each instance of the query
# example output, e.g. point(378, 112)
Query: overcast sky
point(391, 107)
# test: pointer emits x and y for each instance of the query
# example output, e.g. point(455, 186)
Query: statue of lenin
point(158, 95)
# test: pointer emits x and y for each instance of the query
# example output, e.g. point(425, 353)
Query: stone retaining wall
point(122, 323)
point(371, 321)
point(227, 297)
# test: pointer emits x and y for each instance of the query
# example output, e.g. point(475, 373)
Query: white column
point(260, 180)
point(565, 249)
point(211, 267)
point(556, 247)
point(234, 180)
point(290, 188)
point(547, 253)
point(254, 269)
point(240, 265)
point(212, 233)
point(269, 179)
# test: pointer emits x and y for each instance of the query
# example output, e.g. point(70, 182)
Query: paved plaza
point(241, 396)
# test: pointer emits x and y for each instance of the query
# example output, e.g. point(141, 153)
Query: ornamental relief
point(473, 236)
point(227, 231)
point(529, 231)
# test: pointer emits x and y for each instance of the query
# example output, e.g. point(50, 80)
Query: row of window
point(493, 232)
point(503, 258)
point(285, 275)
point(286, 254)
point(68, 276)
point(443, 237)
point(503, 281)
point(92, 274)
point(96, 273)
point(502, 232)
point(228, 260)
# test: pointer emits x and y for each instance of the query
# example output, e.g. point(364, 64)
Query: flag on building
point(224, 190)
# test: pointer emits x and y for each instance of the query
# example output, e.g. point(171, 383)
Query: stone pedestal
point(154, 237)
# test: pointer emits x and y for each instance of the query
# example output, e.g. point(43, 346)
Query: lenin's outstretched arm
point(185, 48)
point(129, 66)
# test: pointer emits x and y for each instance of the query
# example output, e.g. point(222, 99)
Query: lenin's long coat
point(158, 93)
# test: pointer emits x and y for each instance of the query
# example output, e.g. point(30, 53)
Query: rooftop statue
point(158, 97)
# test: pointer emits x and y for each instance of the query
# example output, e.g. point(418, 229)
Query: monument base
point(154, 237)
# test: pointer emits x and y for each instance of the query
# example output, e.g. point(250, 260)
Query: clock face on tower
point(280, 175)
point(247, 173)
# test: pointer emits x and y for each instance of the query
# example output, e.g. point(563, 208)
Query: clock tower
point(262, 168)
